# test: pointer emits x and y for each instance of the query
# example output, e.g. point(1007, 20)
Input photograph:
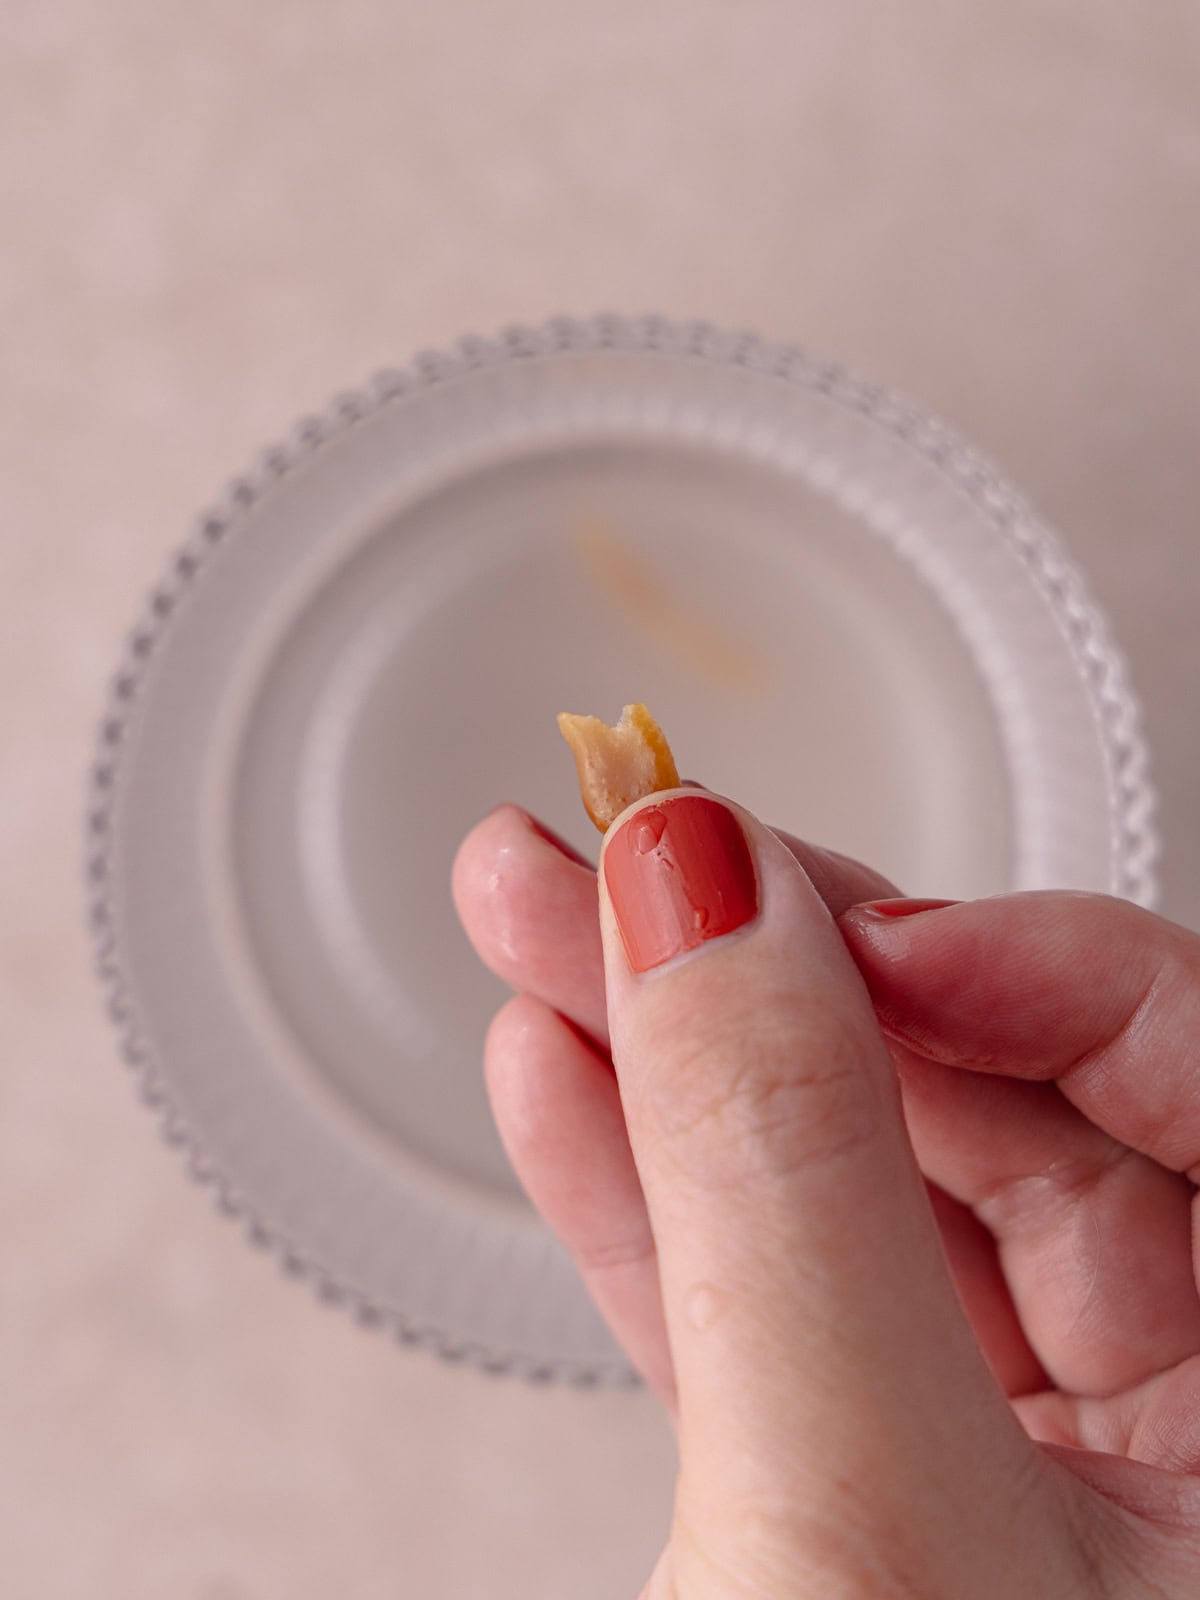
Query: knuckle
point(1034, 1204)
point(761, 1099)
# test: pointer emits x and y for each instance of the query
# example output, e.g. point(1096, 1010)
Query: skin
point(894, 1214)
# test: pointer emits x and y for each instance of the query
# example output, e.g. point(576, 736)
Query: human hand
point(748, 1213)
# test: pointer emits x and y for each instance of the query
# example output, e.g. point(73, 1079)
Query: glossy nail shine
point(678, 874)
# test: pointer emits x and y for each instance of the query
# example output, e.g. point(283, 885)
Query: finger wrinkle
point(1123, 1031)
point(933, 1050)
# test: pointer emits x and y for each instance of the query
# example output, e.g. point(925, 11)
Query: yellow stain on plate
point(632, 587)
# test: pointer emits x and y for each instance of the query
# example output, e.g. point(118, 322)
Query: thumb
point(819, 1348)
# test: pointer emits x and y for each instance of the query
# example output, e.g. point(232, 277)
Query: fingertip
point(886, 932)
point(509, 863)
point(678, 873)
point(1027, 982)
point(538, 1065)
point(474, 860)
point(506, 826)
point(514, 1050)
point(563, 846)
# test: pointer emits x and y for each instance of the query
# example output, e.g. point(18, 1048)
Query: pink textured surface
point(211, 221)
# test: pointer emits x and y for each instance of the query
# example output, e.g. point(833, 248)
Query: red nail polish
point(559, 843)
point(678, 874)
point(901, 908)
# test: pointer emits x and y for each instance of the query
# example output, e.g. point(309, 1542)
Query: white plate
point(839, 613)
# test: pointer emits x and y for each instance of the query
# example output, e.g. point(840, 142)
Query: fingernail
point(559, 843)
point(900, 908)
point(677, 875)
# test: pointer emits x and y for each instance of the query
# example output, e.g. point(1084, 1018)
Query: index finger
point(530, 909)
point(1090, 991)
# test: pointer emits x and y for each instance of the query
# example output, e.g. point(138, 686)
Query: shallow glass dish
point(841, 614)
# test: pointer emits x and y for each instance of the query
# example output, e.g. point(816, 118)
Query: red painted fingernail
point(901, 908)
point(558, 842)
point(678, 874)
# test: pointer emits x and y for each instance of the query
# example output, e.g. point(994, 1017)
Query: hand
point(956, 1359)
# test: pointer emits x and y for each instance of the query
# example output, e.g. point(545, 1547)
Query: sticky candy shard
point(618, 765)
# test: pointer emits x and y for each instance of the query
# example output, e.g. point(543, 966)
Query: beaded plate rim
point(1061, 583)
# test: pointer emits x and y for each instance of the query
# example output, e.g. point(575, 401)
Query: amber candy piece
point(618, 765)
